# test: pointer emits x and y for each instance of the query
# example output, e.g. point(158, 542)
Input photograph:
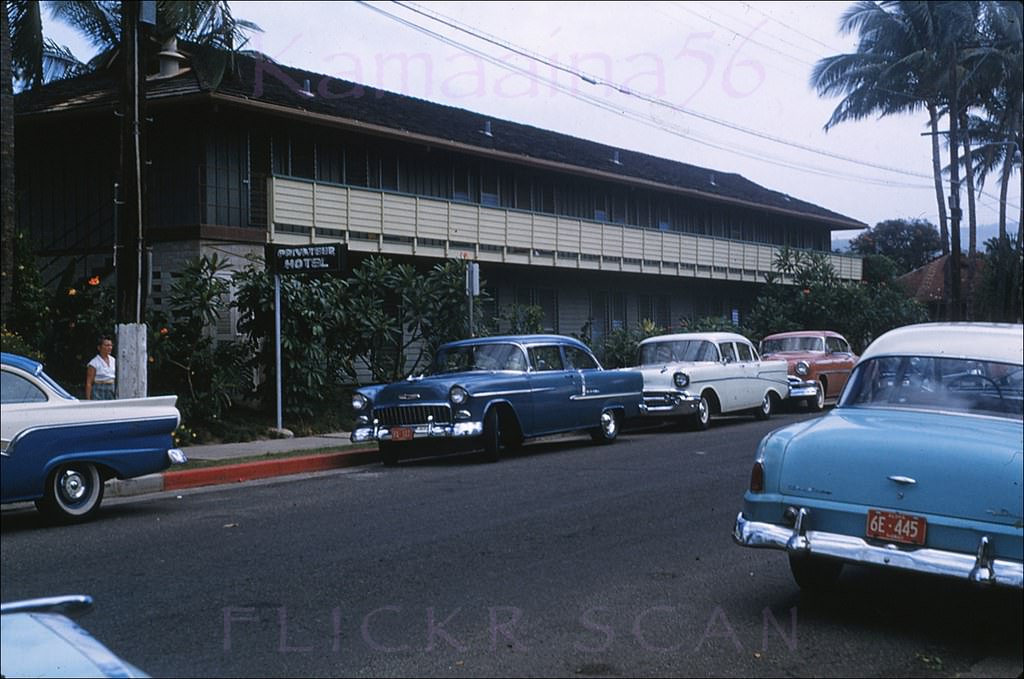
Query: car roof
point(1003, 342)
point(804, 333)
point(709, 336)
point(520, 339)
point(21, 362)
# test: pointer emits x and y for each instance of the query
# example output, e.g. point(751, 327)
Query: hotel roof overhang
point(262, 86)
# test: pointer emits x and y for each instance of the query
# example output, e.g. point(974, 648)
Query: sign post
point(472, 289)
point(327, 258)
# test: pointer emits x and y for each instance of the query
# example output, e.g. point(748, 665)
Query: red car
point(819, 361)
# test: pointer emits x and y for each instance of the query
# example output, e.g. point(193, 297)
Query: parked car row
point(494, 392)
point(920, 466)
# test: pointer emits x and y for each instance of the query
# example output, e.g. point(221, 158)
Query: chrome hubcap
point(702, 410)
point(73, 485)
point(608, 423)
point(766, 405)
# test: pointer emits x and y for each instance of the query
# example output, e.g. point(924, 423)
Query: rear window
point(774, 346)
point(930, 383)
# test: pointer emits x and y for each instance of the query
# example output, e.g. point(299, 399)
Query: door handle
point(905, 480)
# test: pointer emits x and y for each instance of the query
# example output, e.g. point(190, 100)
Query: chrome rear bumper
point(980, 568)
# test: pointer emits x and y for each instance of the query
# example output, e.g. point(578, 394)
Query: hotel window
point(664, 216)
point(524, 193)
point(303, 156)
point(489, 195)
point(655, 308)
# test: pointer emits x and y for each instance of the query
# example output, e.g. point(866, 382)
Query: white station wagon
point(692, 376)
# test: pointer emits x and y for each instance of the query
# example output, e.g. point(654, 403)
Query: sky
point(721, 85)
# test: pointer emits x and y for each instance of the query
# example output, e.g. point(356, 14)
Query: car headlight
point(681, 380)
point(458, 395)
point(802, 368)
point(359, 402)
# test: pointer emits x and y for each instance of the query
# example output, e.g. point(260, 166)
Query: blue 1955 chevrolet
point(493, 392)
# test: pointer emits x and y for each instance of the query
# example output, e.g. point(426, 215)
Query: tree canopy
point(909, 243)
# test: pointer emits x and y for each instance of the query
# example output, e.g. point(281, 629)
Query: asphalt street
point(567, 558)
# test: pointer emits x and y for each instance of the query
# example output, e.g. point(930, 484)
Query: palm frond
point(59, 63)
point(99, 21)
point(26, 28)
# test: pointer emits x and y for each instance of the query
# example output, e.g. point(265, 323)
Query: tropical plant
point(621, 344)
point(316, 342)
point(525, 319)
point(208, 377)
point(819, 299)
point(1001, 289)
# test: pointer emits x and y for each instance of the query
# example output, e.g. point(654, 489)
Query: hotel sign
point(319, 258)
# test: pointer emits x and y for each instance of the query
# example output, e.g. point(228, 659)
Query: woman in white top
point(100, 373)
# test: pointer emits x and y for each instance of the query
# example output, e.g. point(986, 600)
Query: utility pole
point(954, 196)
point(132, 361)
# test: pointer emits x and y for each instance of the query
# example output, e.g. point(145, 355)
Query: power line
point(647, 120)
point(788, 27)
point(595, 80)
point(650, 121)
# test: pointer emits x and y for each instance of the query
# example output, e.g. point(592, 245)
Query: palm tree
point(207, 22)
point(897, 68)
point(998, 130)
point(7, 214)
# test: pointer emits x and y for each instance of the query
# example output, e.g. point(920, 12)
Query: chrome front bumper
point(980, 568)
point(669, 404)
point(799, 388)
point(430, 430)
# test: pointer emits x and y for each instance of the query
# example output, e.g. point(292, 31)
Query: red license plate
point(401, 434)
point(896, 527)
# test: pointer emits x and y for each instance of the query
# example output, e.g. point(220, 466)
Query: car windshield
point(670, 351)
point(932, 383)
point(780, 344)
point(497, 356)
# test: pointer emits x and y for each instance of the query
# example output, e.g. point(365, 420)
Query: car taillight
point(757, 478)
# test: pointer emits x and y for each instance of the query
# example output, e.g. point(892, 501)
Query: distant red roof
point(928, 283)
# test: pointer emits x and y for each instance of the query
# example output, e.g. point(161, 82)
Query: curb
point(235, 473)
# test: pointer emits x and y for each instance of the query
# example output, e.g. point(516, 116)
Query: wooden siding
point(375, 221)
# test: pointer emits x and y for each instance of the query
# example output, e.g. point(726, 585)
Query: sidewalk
point(327, 451)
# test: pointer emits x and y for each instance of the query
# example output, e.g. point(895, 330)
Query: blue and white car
point(493, 392)
point(58, 451)
point(920, 467)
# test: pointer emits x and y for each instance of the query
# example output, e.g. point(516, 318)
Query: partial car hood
point(850, 455)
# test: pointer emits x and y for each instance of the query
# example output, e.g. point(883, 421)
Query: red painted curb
point(247, 471)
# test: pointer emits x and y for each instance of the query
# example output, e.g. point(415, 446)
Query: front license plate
point(896, 527)
point(401, 434)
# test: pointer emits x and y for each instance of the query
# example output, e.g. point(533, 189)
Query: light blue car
point(919, 468)
point(492, 393)
point(38, 639)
